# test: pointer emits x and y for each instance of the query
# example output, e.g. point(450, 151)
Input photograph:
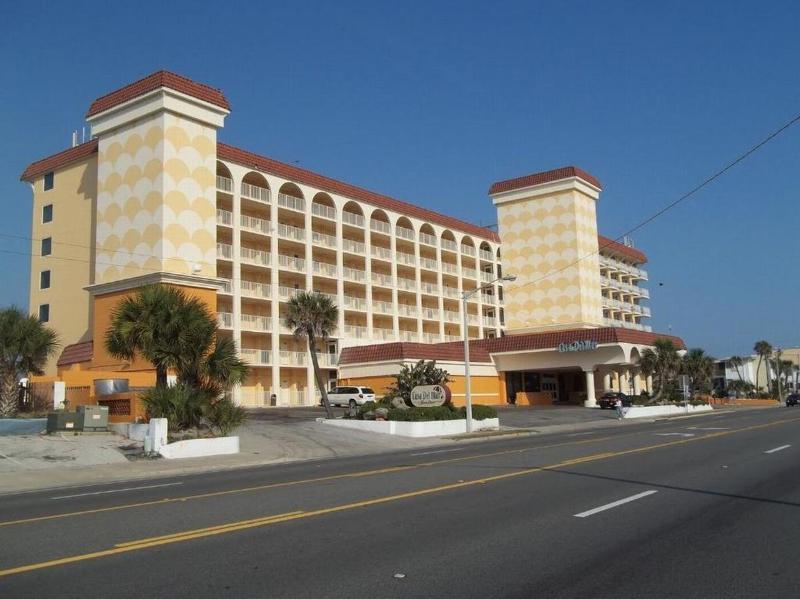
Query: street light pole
point(465, 295)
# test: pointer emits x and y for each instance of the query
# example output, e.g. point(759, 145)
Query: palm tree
point(174, 332)
point(698, 367)
point(764, 350)
point(665, 363)
point(313, 316)
point(25, 345)
point(647, 364)
point(737, 363)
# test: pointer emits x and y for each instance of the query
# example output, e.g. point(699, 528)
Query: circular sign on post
point(426, 396)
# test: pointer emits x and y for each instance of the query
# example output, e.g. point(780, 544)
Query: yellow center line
point(189, 535)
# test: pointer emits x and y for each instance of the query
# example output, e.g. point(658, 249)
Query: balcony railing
point(254, 192)
point(353, 247)
point(293, 358)
point(290, 232)
point(428, 264)
point(285, 293)
point(407, 310)
point(381, 253)
point(451, 292)
point(407, 284)
point(324, 239)
point(227, 286)
point(405, 335)
point(255, 224)
point(292, 263)
point(256, 357)
point(469, 273)
point(255, 322)
point(487, 298)
point(453, 338)
point(487, 277)
point(490, 321)
point(430, 313)
point(380, 226)
point(406, 258)
point(256, 289)
point(327, 360)
point(325, 269)
point(224, 251)
point(355, 331)
point(405, 233)
point(427, 239)
point(257, 257)
point(224, 184)
point(430, 337)
point(291, 202)
point(450, 245)
point(354, 274)
point(355, 303)
point(487, 255)
point(467, 250)
point(225, 320)
point(429, 288)
point(451, 316)
point(381, 279)
point(323, 211)
point(450, 268)
point(382, 307)
point(384, 334)
point(224, 217)
point(350, 218)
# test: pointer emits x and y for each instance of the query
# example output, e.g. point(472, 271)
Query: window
point(48, 180)
point(47, 246)
point(47, 213)
point(44, 279)
point(44, 312)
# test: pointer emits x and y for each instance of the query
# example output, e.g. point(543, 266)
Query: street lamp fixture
point(465, 295)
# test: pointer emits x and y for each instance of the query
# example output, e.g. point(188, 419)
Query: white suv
point(350, 396)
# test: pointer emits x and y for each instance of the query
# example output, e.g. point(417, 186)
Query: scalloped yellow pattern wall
point(156, 203)
point(542, 240)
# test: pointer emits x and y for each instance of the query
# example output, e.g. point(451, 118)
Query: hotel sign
point(426, 396)
point(577, 346)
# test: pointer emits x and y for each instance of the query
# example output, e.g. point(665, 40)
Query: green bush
point(367, 406)
point(224, 416)
point(479, 412)
point(181, 406)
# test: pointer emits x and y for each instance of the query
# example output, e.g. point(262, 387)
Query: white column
point(310, 287)
point(393, 246)
point(236, 276)
point(275, 353)
point(440, 283)
point(607, 381)
point(496, 271)
point(591, 401)
point(368, 273)
point(636, 386)
point(461, 304)
point(650, 384)
point(418, 279)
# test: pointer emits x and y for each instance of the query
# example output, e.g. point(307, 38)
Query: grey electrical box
point(62, 421)
point(93, 418)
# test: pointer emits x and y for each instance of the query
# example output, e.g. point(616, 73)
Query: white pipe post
point(467, 386)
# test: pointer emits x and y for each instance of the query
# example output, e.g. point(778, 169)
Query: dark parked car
point(609, 400)
point(793, 399)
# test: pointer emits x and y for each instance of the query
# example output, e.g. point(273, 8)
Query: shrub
point(180, 405)
point(367, 406)
point(480, 412)
point(224, 416)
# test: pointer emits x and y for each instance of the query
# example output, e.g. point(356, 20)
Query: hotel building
point(155, 197)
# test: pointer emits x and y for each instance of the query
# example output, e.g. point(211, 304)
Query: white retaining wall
point(435, 428)
point(198, 448)
point(650, 411)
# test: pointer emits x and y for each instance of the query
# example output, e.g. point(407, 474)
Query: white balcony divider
point(225, 320)
point(224, 250)
point(253, 223)
point(323, 239)
point(255, 322)
point(227, 286)
point(353, 247)
point(350, 218)
point(292, 263)
point(467, 250)
point(449, 244)
point(324, 268)
point(381, 279)
point(354, 274)
point(380, 226)
point(224, 217)
point(258, 257)
point(254, 192)
point(356, 331)
point(290, 232)
point(486, 255)
point(427, 239)
point(380, 252)
point(291, 202)
point(224, 184)
point(324, 211)
point(405, 233)
point(256, 289)
point(257, 357)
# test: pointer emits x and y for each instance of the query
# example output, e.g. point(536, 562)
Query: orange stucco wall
point(487, 390)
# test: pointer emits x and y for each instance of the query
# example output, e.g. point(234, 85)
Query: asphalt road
point(697, 507)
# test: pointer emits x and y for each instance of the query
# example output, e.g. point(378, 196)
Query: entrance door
point(550, 383)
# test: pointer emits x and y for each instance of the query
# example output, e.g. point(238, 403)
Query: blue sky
point(431, 102)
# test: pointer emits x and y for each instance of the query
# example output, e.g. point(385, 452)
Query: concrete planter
point(198, 448)
point(651, 411)
point(435, 428)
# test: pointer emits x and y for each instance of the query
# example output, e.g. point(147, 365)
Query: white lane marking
point(614, 504)
point(116, 490)
point(437, 451)
point(8, 457)
point(579, 434)
point(781, 448)
point(708, 428)
point(675, 434)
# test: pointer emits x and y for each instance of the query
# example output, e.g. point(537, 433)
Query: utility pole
point(778, 371)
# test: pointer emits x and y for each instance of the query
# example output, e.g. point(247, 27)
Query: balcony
point(224, 217)
point(323, 211)
point(291, 202)
point(254, 192)
point(383, 334)
point(354, 274)
point(407, 310)
point(381, 253)
point(293, 358)
point(254, 224)
point(325, 269)
point(467, 250)
point(255, 257)
point(355, 303)
point(429, 264)
point(255, 322)
point(646, 311)
point(330, 296)
point(382, 280)
point(353, 247)
point(328, 241)
point(490, 321)
point(429, 288)
point(225, 320)
point(487, 277)
point(450, 268)
point(430, 313)
point(256, 357)
point(327, 360)
point(381, 307)
point(224, 184)
point(224, 251)
point(406, 284)
point(227, 286)
point(430, 337)
point(404, 233)
point(449, 245)
point(286, 293)
point(290, 232)
point(469, 273)
point(451, 292)
point(350, 218)
point(406, 258)
point(256, 290)
point(405, 335)
point(486, 255)
point(451, 316)
point(292, 263)
point(427, 239)
point(487, 298)
point(355, 331)
point(380, 226)
point(472, 319)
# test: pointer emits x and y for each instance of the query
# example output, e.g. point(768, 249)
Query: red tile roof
point(294, 173)
point(608, 245)
point(481, 349)
point(77, 352)
point(56, 161)
point(565, 172)
point(155, 81)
